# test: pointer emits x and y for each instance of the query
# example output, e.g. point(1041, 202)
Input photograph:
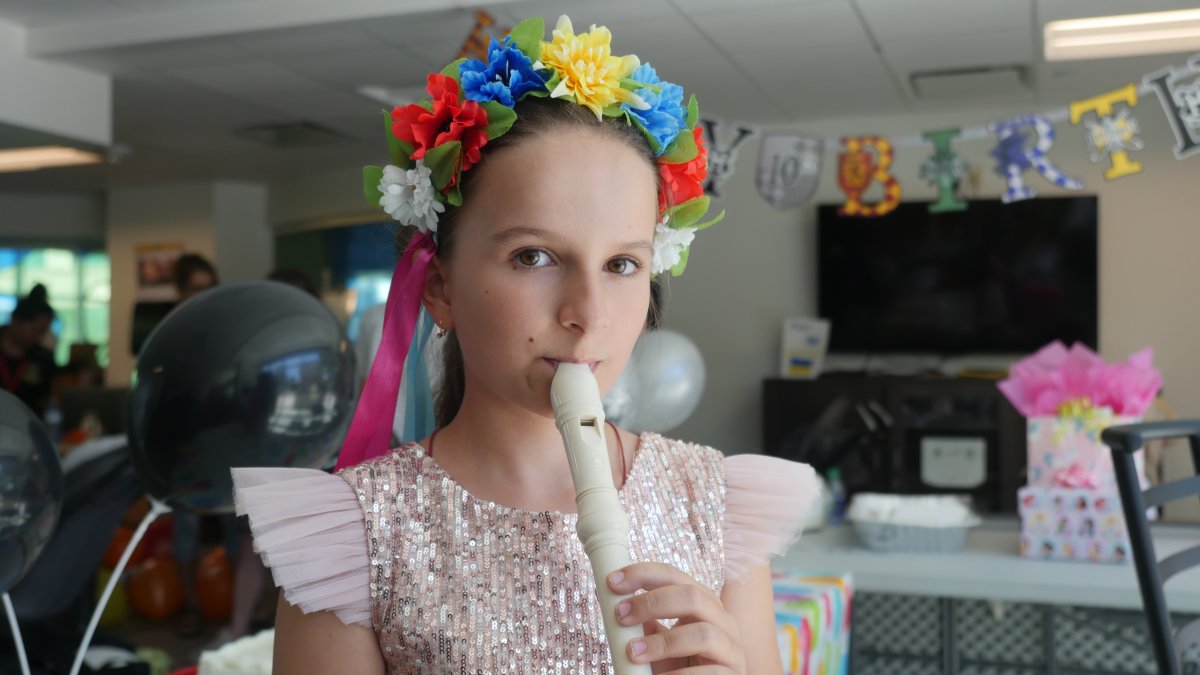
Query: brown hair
point(534, 116)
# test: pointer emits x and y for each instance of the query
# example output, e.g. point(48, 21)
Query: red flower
point(452, 119)
point(684, 182)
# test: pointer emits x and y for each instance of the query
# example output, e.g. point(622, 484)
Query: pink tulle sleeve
point(308, 528)
point(767, 500)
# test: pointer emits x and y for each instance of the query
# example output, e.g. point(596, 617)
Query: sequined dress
point(455, 584)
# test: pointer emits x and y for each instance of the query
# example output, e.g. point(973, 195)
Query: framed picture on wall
point(155, 267)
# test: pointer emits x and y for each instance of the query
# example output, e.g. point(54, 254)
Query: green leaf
point(682, 149)
point(710, 223)
point(613, 111)
point(451, 71)
point(693, 113)
point(371, 177)
point(500, 118)
point(399, 151)
point(550, 85)
point(686, 214)
point(454, 197)
point(443, 162)
point(527, 36)
point(682, 264)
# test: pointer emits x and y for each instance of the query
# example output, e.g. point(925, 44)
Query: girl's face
point(551, 262)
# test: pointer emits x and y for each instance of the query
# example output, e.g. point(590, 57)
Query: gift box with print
point(1083, 524)
point(812, 614)
point(1070, 509)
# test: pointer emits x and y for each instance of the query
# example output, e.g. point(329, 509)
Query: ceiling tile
point(448, 28)
point(381, 66)
point(692, 7)
point(584, 13)
point(956, 52)
point(809, 89)
point(148, 105)
point(796, 30)
point(890, 20)
point(1053, 10)
point(312, 41)
point(250, 78)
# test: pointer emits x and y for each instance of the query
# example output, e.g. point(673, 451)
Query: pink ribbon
point(371, 429)
point(1076, 476)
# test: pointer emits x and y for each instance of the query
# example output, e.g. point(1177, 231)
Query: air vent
point(290, 135)
point(973, 83)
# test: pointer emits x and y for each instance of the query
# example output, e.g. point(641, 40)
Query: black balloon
point(248, 374)
point(31, 489)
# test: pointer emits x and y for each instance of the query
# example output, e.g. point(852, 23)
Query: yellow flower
point(588, 70)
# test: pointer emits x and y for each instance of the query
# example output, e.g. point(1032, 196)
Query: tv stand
point(909, 434)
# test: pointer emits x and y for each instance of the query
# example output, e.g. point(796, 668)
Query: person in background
point(193, 274)
point(294, 277)
point(27, 369)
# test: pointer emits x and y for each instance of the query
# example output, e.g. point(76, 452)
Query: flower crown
point(471, 102)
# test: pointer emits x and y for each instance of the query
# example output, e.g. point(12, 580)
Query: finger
point(688, 602)
point(702, 640)
point(702, 670)
point(648, 576)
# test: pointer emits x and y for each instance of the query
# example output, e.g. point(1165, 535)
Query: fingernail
point(637, 647)
point(623, 609)
point(616, 577)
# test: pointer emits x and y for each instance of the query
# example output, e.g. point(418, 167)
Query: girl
point(559, 180)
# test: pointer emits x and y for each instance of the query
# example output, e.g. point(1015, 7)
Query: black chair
point(1152, 573)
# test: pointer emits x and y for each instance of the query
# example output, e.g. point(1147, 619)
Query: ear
point(436, 294)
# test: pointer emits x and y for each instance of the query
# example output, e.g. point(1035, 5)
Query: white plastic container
point(911, 524)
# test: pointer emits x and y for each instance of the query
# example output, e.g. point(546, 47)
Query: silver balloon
point(661, 385)
point(249, 374)
point(31, 489)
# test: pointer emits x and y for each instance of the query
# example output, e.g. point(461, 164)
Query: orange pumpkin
point(154, 589)
point(117, 545)
point(214, 585)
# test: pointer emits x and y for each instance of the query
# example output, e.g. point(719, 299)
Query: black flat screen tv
point(993, 279)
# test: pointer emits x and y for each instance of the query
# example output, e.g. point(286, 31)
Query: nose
point(583, 305)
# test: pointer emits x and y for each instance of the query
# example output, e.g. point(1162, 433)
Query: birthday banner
point(789, 164)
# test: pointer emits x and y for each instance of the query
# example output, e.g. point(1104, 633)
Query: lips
point(592, 365)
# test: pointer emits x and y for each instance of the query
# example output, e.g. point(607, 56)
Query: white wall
point(49, 217)
point(164, 214)
point(243, 242)
point(749, 272)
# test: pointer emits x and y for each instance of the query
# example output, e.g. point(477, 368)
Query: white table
point(991, 569)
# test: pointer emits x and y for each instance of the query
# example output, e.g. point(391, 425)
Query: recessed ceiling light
point(44, 157)
point(1103, 37)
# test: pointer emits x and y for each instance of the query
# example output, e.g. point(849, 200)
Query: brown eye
point(530, 257)
point(623, 266)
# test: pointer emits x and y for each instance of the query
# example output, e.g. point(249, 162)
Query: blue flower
point(506, 77)
point(666, 116)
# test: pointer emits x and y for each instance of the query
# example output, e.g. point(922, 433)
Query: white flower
point(408, 196)
point(669, 245)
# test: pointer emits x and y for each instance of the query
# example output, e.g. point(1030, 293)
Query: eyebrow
point(513, 233)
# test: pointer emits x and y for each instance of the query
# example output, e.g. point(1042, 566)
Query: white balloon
point(662, 384)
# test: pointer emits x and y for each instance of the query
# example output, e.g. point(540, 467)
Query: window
point(79, 287)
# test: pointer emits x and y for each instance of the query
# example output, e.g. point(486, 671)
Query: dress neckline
point(429, 464)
